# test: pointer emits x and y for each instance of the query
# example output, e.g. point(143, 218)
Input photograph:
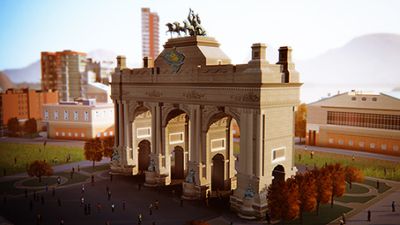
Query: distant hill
point(365, 60)
point(30, 73)
point(5, 82)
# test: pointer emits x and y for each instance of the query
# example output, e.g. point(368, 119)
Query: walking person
point(377, 184)
point(109, 195)
point(83, 189)
point(344, 218)
point(140, 219)
point(267, 218)
point(61, 222)
point(151, 209)
point(156, 204)
point(82, 201)
point(112, 207)
point(92, 178)
point(59, 202)
point(369, 215)
point(38, 219)
point(58, 180)
point(393, 206)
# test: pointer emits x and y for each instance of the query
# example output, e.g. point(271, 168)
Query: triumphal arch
point(192, 116)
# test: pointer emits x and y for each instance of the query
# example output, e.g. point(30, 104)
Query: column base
point(191, 191)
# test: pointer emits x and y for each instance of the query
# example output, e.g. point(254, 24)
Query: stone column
point(127, 135)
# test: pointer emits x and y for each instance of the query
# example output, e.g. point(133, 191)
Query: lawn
point(358, 199)
point(382, 186)
point(90, 169)
point(370, 167)
point(356, 189)
point(326, 215)
point(27, 153)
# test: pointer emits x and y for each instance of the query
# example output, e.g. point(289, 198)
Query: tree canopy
point(94, 150)
point(13, 126)
point(301, 121)
point(39, 168)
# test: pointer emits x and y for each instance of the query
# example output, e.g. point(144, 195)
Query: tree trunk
point(351, 184)
point(93, 164)
point(332, 200)
point(318, 207)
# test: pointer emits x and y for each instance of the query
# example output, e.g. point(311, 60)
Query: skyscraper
point(150, 33)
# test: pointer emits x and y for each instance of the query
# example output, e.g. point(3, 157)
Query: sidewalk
point(60, 168)
point(351, 152)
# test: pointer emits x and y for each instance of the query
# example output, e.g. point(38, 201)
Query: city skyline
point(311, 28)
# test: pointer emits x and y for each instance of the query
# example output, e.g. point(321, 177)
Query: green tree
point(39, 168)
point(13, 126)
point(30, 126)
point(94, 150)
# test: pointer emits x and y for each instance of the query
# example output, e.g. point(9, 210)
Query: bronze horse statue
point(175, 28)
point(191, 25)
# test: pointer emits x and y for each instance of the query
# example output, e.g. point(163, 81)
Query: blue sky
point(311, 27)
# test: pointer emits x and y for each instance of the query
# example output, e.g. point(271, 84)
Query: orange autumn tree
point(38, 169)
point(93, 150)
point(108, 144)
point(307, 192)
point(283, 199)
point(337, 182)
point(301, 121)
point(353, 174)
point(323, 185)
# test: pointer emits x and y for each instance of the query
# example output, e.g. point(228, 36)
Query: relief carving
point(248, 97)
point(154, 93)
point(193, 95)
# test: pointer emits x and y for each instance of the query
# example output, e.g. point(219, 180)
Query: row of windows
point(362, 144)
point(381, 121)
point(66, 115)
point(70, 134)
point(364, 99)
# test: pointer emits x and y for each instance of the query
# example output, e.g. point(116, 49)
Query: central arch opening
point(278, 173)
point(144, 155)
point(217, 173)
point(177, 163)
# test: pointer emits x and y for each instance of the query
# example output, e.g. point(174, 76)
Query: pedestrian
point(312, 154)
point(377, 184)
point(151, 209)
point(59, 202)
point(73, 169)
point(53, 191)
point(156, 204)
point(341, 222)
point(208, 198)
point(30, 205)
point(393, 206)
point(82, 201)
point(305, 147)
point(140, 219)
point(83, 189)
point(42, 199)
point(123, 205)
point(26, 193)
point(79, 169)
point(112, 207)
point(47, 187)
point(15, 160)
point(61, 222)
point(267, 218)
point(353, 158)
point(98, 207)
point(38, 219)
point(111, 177)
point(344, 218)
point(58, 180)
point(369, 215)
point(107, 189)
point(92, 177)
point(181, 202)
point(109, 195)
point(85, 210)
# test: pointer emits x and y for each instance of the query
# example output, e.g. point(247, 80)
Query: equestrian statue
point(191, 26)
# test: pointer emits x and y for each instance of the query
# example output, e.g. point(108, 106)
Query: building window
point(353, 98)
point(111, 133)
point(63, 134)
point(340, 142)
point(370, 120)
point(364, 98)
point(82, 135)
point(56, 133)
point(278, 154)
point(350, 142)
point(76, 134)
point(383, 146)
point(99, 134)
point(372, 145)
point(330, 140)
point(143, 132)
point(86, 116)
point(55, 115)
point(105, 134)
point(361, 144)
point(46, 115)
point(218, 144)
point(176, 138)
point(395, 148)
point(70, 134)
point(65, 115)
point(374, 99)
point(75, 115)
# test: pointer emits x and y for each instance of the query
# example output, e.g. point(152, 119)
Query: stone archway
point(217, 173)
point(177, 163)
point(278, 173)
point(144, 155)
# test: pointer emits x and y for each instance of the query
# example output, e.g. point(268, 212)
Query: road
point(350, 153)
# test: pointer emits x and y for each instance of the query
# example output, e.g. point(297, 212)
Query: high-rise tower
point(150, 33)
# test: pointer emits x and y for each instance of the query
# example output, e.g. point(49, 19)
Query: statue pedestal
point(150, 179)
point(190, 191)
point(246, 210)
point(122, 170)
